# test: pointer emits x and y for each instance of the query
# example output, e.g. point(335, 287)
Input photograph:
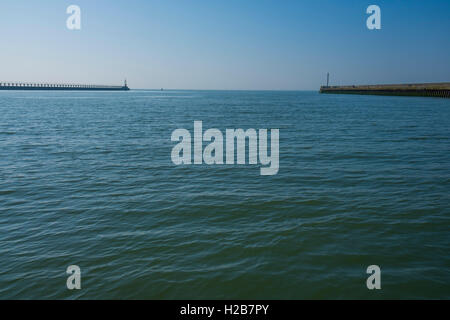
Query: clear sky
point(225, 44)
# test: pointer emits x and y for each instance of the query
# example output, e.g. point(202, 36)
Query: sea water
point(86, 179)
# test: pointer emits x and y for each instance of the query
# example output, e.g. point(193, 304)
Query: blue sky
point(210, 44)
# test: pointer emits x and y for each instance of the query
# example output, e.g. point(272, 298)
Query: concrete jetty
point(441, 90)
point(60, 86)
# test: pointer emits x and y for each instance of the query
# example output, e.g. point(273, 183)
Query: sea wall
point(71, 87)
point(441, 90)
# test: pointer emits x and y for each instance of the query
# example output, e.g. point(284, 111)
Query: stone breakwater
point(441, 90)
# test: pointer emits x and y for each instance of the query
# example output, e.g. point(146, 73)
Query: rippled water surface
point(86, 178)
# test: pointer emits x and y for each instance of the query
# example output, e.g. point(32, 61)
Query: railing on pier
point(52, 85)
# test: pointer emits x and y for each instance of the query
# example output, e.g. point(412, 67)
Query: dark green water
point(87, 179)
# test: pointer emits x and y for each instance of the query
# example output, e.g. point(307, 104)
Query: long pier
point(441, 90)
point(62, 87)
